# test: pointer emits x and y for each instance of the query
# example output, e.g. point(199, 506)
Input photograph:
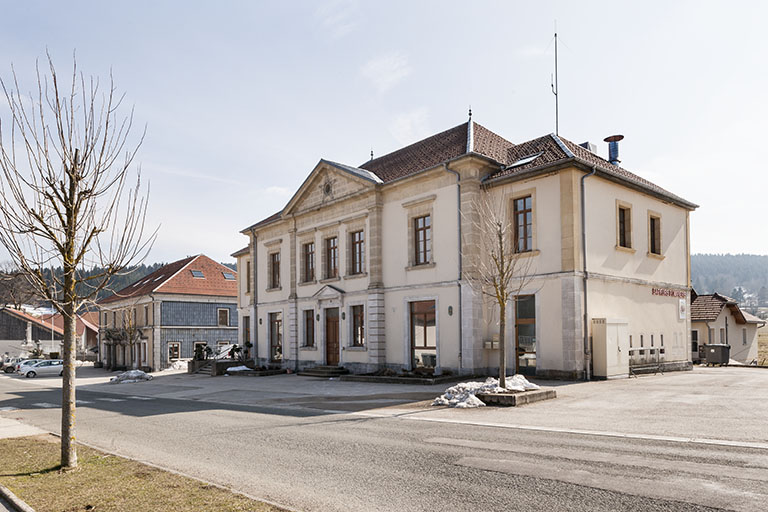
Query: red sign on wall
point(667, 292)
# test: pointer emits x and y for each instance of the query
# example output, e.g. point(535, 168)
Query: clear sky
point(241, 99)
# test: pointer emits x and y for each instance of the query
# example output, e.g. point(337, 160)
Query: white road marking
point(45, 405)
point(111, 399)
point(9, 408)
point(141, 398)
point(83, 402)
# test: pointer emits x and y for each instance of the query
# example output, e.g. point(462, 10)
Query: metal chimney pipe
point(613, 148)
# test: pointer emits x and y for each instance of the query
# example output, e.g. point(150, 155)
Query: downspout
point(458, 216)
point(254, 291)
point(587, 351)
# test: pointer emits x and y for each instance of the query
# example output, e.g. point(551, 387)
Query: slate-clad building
point(21, 332)
point(167, 313)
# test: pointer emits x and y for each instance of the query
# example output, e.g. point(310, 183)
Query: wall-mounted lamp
point(450, 310)
point(260, 321)
point(317, 317)
point(343, 315)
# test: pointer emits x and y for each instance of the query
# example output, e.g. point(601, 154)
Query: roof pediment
point(329, 182)
point(328, 292)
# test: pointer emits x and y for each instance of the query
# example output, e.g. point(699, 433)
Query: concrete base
point(428, 381)
point(515, 399)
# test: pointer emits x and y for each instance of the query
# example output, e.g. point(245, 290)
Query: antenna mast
point(555, 91)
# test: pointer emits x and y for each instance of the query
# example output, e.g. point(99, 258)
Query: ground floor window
point(174, 350)
point(199, 349)
point(276, 337)
point(525, 333)
point(743, 336)
point(423, 334)
point(309, 328)
point(695, 342)
point(358, 326)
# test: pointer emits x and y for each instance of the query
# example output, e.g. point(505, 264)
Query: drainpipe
point(587, 351)
point(458, 215)
point(254, 297)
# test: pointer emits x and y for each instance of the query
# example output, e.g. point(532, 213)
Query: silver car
point(26, 362)
point(49, 367)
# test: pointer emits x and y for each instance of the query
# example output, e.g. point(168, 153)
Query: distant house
point(87, 330)
point(717, 319)
point(161, 317)
point(20, 333)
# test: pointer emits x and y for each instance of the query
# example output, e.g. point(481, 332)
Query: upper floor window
point(274, 270)
point(146, 315)
point(331, 257)
point(654, 234)
point(523, 218)
point(422, 232)
point(224, 317)
point(308, 258)
point(743, 336)
point(624, 220)
point(358, 326)
point(247, 277)
point(357, 241)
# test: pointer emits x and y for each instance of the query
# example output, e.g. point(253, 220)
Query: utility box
point(610, 348)
point(717, 354)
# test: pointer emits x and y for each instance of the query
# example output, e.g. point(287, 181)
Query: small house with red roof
point(718, 320)
point(373, 267)
point(86, 330)
point(21, 332)
point(163, 316)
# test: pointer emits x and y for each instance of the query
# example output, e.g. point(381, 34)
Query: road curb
point(14, 501)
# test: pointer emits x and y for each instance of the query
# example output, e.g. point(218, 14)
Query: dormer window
point(229, 276)
point(198, 274)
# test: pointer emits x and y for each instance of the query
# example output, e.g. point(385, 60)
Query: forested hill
point(130, 275)
point(724, 273)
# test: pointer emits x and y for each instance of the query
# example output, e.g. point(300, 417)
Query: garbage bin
point(717, 354)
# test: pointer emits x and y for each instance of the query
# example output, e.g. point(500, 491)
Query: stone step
point(324, 371)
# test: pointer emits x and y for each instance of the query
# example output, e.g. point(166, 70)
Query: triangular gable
point(330, 181)
point(328, 292)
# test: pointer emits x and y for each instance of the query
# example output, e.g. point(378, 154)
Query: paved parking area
point(729, 404)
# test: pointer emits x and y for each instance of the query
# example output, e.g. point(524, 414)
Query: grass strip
point(105, 483)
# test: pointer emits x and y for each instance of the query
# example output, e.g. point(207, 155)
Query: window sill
point(629, 250)
point(356, 276)
point(275, 289)
point(308, 348)
point(330, 279)
point(307, 283)
point(356, 348)
point(421, 266)
point(528, 254)
point(655, 256)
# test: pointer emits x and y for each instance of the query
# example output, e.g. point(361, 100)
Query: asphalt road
point(399, 459)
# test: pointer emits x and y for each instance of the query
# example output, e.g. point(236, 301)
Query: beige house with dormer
point(367, 267)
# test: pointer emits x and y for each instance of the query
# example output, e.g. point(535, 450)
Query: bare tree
point(14, 287)
point(499, 271)
point(67, 200)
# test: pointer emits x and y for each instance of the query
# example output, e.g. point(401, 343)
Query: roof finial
point(371, 153)
point(470, 112)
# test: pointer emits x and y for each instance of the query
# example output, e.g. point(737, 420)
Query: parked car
point(9, 364)
point(25, 362)
point(45, 367)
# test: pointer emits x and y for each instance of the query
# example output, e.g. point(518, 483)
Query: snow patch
point(130, 376)
point(239, 369)
point(176, 365)
point(462, 395)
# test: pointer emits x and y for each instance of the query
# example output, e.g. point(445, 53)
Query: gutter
point(587, 351)
point(254, 291)
point(458, 280)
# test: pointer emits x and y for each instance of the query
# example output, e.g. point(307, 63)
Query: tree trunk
point(502, 346)
point(68, 452)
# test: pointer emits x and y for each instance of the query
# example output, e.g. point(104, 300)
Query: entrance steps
point(324, 371)
point(205, 370)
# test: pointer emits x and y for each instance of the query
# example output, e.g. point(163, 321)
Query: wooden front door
point(332, 336)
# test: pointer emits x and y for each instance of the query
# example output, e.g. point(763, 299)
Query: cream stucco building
point(369, 267)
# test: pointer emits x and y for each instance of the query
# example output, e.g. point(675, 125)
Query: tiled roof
point(34, 319)
point(213, 283)
point(177, 278)
point(241, 252)
point(81, 324)
point(448, 145)
point(706, 308)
